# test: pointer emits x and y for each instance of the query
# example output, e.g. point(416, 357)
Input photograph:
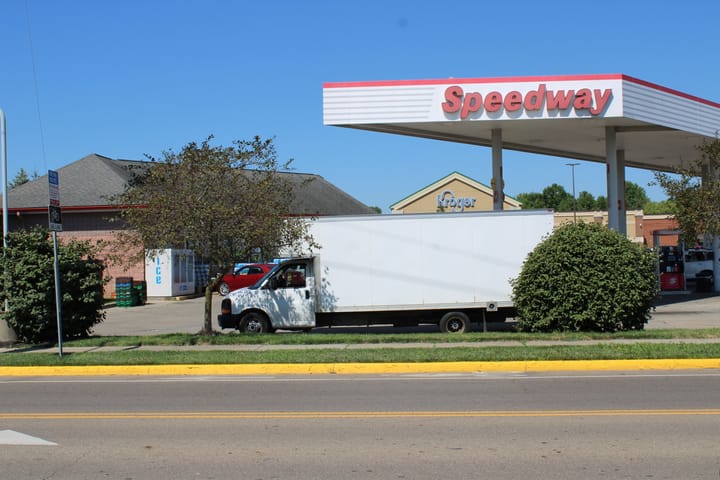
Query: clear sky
point(134, 77)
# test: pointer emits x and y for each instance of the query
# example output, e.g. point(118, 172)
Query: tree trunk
point(207, 325)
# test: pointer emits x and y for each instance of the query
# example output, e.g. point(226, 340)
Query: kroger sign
point(447, 201)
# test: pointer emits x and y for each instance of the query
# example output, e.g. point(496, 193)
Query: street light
point(3, 161)
point(572, 169)
point(7, 334)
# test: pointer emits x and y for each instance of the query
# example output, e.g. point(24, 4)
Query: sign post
point(55, 220)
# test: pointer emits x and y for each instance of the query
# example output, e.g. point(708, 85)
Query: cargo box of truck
point(449, 269)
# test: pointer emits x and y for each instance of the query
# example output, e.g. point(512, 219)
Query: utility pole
point(7, 334)
point(572, 169)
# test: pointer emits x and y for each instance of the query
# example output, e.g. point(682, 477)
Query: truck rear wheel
point(454, 322)
point(254, 322)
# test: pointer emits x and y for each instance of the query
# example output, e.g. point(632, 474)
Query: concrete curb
point(363, 368)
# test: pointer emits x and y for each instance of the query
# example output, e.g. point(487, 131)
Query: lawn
point(368, 347)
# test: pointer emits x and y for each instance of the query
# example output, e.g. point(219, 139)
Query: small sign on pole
point(56, 226)
point(54, 211)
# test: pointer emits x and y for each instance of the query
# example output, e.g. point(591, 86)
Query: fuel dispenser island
point(170, 272)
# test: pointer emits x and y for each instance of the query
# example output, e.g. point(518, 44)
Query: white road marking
point(11, 437)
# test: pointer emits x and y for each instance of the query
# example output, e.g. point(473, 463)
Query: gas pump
point(671, 268)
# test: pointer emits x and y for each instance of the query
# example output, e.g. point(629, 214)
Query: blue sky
point(129, 78)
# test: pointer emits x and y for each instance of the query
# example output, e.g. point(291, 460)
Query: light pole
point(7, 334)
point(3, 160)
point(572, 169)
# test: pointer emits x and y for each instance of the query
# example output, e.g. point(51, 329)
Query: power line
point(35, 83)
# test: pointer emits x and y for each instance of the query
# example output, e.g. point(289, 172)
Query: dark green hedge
point(585, 277)
point(27, 283)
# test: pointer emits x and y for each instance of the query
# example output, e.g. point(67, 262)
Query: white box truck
point(449, 269)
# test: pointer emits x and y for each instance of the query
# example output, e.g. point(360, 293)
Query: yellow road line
point(351, 414)
point(362, 368)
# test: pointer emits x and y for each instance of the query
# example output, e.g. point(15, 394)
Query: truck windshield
point(262, 279)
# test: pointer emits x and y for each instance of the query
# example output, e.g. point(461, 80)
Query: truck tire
point(254, 322)
point(454, 322)
point(224, 289)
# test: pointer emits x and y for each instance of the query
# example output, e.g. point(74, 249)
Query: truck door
point(293, 297)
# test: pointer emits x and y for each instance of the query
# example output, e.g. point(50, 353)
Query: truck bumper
point(226, 320)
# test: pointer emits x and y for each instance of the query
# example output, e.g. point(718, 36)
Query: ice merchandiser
point(170, 272)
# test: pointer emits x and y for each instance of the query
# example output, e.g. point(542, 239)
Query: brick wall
point(652, 223)
point(112, 271)
point(90, 226)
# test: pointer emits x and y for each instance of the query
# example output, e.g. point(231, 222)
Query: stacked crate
point(124, 291)
point(139, 293)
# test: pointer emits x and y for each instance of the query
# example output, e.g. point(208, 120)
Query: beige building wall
point(633, 221)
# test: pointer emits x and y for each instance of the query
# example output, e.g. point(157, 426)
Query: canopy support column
point(711, 172)
point(615, 203)
point(497, 175)
point(621, 204)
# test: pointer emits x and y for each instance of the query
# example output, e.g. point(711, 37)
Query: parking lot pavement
point(686, 310)
point(159, 316)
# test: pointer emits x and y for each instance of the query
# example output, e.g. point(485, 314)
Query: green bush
point(27, 284)
point(585, 277)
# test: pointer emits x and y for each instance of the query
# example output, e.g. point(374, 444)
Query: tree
point(601, 203)
point(555, 196)
point(567, 204)
point(585, 202)
point(225, 203)
point(27, 284)
point(531, 200)
point(666, 207)
point(20, 178)
point(635, 196)
point(695, 191)
point(585, 277)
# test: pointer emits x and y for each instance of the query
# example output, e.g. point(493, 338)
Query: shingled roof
point(89, 183)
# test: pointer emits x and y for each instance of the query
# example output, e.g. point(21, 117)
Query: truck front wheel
point(254, 322)
point(454, 322)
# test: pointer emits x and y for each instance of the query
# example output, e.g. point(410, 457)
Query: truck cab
point(283, 299)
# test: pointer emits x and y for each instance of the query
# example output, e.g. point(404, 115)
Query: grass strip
point(370, 355)
point(329, 337)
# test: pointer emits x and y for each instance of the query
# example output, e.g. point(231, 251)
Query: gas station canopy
point(567, 116)
point(616, 119)
point(611, 118)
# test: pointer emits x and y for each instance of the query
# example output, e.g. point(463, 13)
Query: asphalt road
point(160, 316)
point(555, 426)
